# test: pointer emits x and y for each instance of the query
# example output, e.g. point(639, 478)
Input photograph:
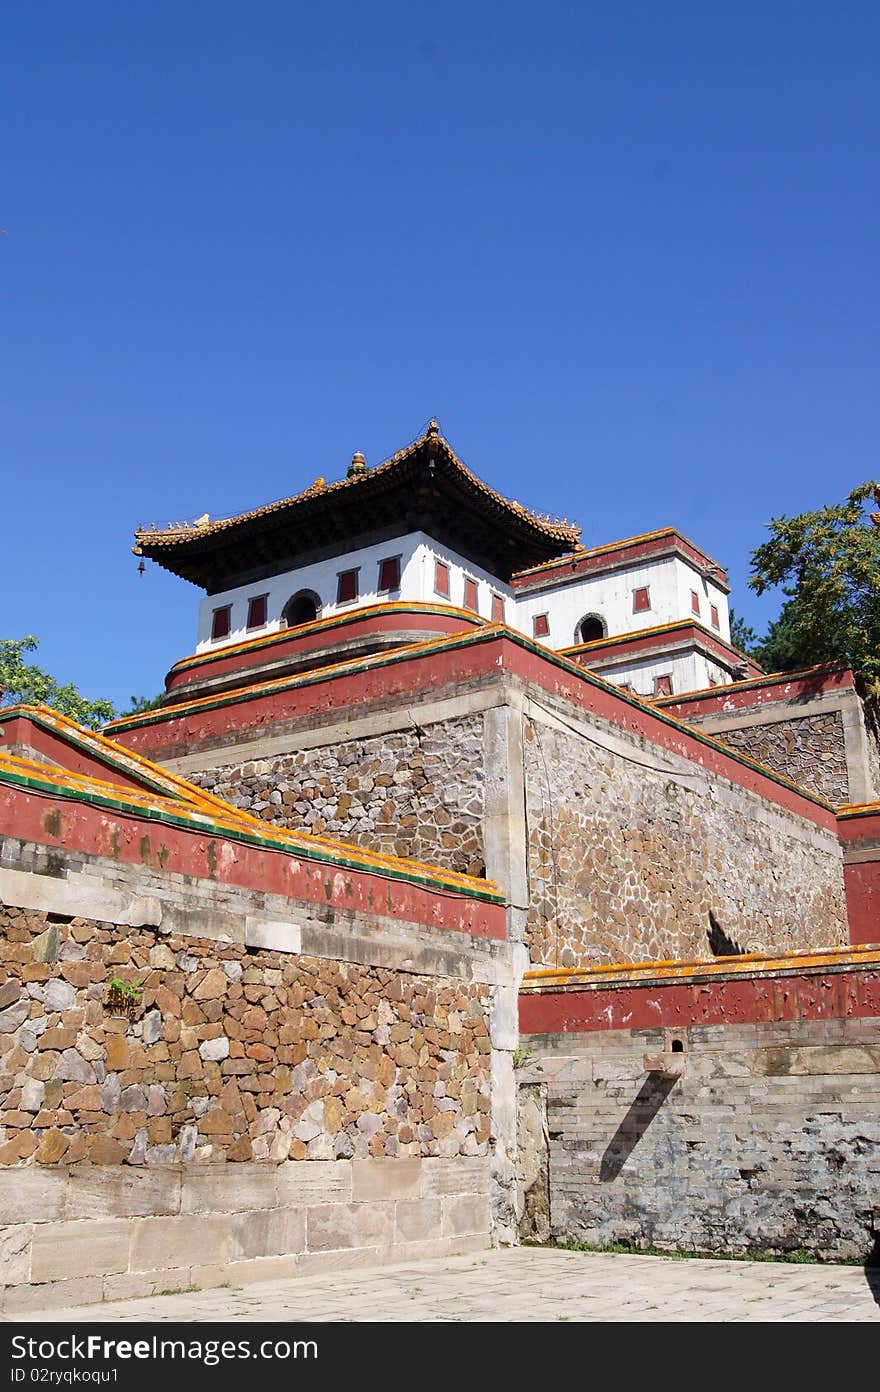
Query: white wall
point(640, 674)
point(609, 595)
point(669, 579)
point(417, 555)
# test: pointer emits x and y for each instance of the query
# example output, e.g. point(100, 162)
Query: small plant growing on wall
point(521, 1057)
point(123, 996)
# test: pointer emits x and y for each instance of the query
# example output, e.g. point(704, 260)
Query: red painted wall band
point(850, 994)
point(429, 671)
point(77, 827)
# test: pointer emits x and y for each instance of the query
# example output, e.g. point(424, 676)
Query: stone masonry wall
point(770, 1141)
point(809, 750)
point(414, 793)
point(634, 862)
point(232, 1054)
point(74, 1235)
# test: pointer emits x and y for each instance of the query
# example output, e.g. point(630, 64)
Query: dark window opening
point(301, 608)
point(346, 586)
point(389, 574)
point(677, 1046)
point(221, 622)
point(591, 629)
point(257, 611)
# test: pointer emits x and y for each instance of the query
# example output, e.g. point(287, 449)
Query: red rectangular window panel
point(221, 622)
point(389, 574)
point(540, 625)
point(346, 586)
point(441, 578)
point(662, 686)
point(713, 612)
point(470, 595)
point(641, 599)
point(256, 611)
point(695, 603)
point(497, 609)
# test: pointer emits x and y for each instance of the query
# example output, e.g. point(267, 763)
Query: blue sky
point(626, 253)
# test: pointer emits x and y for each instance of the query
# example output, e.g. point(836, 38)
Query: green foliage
point(742, 636)
point(828, 565)
point(139, 704)
point(128, 990)
point(521, 1057)
point(23, 683)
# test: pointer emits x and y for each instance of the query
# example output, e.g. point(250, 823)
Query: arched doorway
point(591, 628)
point(301, 608)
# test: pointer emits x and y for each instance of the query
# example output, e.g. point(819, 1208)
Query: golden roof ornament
point(358, 465)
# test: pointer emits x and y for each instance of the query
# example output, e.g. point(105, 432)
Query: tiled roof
point(552, 534)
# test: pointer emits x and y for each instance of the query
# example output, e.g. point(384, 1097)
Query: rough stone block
point(463, 1174)
point(272, 935)
point(267, 1232)
point(31, 1195)
point(110, 1191)
point(70, 1250)
point(227, 1188)
point(20, 1300)
point(306, 1182)
point(349, 1225)
point(417, 1219)
point(464, 1214)
point(385, 1179)
point(135, 1285)
point(259, 1269)
point(180, 1241)
point(350, 1259)
point(15, 1254)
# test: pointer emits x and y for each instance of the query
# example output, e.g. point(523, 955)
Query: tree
point(742, 635)
point(138, 704)
point(23, 683)
point(828, 565)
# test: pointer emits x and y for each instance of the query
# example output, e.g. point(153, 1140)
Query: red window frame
point(540, 625)
point(641, 599)
point(663, 685)
point(714, 616)
point(346, 586)
point(695, 603)
point(497, 608)
point(389, 574)
point(441, 579)
point(221, 623)
point(470, 594)
point(257, 609)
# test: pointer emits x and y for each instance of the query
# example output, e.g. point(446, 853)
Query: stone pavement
point(526, 1284)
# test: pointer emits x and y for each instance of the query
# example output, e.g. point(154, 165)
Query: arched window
point(590, 628)
point(301, 608)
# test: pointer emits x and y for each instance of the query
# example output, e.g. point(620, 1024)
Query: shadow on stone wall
point(643, 1109)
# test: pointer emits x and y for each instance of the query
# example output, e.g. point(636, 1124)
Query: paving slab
point(524, 1284)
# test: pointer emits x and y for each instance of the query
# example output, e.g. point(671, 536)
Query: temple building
point(419, 539)
point(467, 887)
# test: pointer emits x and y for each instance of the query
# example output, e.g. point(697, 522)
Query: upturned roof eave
point(187, 551)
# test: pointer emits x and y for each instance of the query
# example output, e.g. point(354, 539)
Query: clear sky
point(626, 253)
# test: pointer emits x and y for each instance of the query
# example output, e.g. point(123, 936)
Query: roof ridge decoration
point(160, 542)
